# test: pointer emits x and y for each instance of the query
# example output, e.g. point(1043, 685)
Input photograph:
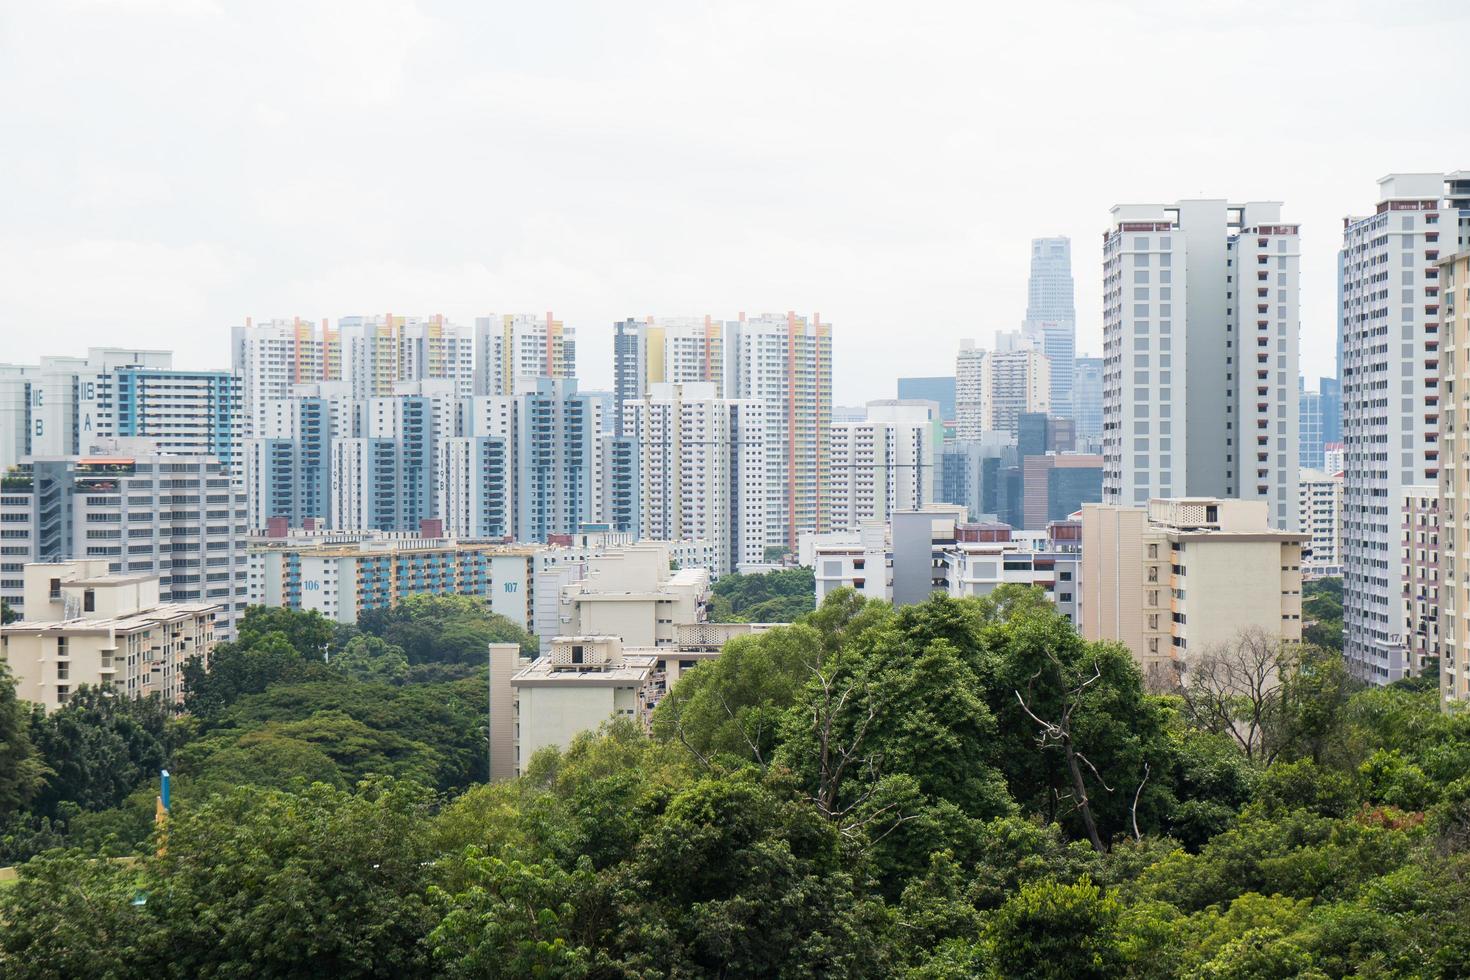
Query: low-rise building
point(104, 630)
point(1187, 575)
point(635, 594)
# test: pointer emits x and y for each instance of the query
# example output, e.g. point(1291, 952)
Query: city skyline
point(185, 209)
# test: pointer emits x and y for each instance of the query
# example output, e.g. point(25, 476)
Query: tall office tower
point(703, 466)
point(380, 351)
point(970, 473)
point(1331, 391)
point(1453, 334)
point(971, 392)
point(474, 499)
point(884, 464)
point(1087, 397)
point(1051, 315)
point(666, 350)
point(1391, 349)
point(1310, 425)
point(147, 513)
point(940, 390)
point(521, 345)
point(1020, 380)
point(785, 362)
point(64, 403)
point(1199, 389)
point(272, 356)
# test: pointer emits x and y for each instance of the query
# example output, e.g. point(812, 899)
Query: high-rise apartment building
point(62, 404)
point(666, 350)
point(521, 345)
point(1020, 381)
point(884, 464)
point(1200, 327)
point(1392, 345)
point(971, 392)
point(178, 517)
point(702, 465)
point(1420, 574)
point(1320, 507)
point(270, 357)
point(379, 352)
point(1087, 397)
point(1453, 335)
point(785, 362)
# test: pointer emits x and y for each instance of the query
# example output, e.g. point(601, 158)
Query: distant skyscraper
point(1331, 391)
point(272, 356)
point(1392, 352)
point(884, 463)
point(1200, 326)
point(786, 363)
point(939, 390)
point(1051, 314)
point(1310, 426)
point(971, 392)
point(1020, 381)
point(380, 351)
point(1087, 397)
point(521, 345)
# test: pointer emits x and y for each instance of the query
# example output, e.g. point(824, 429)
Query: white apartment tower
point(1390, 350)
point(971, 392)
point(703, 469)
point(521, 345)
point(380, 351)
point(1200, 328)
point(671, 350)
point(884, 464)
point(272, 356)
point(785, 362)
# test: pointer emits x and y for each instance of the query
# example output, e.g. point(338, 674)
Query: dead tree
point(1057, 733)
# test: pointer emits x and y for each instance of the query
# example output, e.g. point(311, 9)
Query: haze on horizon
point(174, 166)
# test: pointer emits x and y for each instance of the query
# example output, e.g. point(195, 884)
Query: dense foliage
point(957, 789)
point(1322, 613)
point(770, 597)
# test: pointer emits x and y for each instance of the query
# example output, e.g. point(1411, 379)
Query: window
point(577, 655)
point(89, 601)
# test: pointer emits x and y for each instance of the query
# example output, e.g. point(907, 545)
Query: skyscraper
point(1051, 315)
point(971, 392)
point(703, 466)
point(666, 350)
point(521, 345)
point(1200, 325)
point(1310, 426)
point(380, 351)
point(272, 356)
point(1020, 381)
point(1391, 353)
point(1087, 397)
point(786, 363)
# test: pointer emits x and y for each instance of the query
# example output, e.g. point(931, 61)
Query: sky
point(171, 167)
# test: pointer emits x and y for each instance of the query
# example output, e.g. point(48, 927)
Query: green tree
point(23, 773)
point(782, 596)
point(7, 615)
point(444, 629)
point(1052, 931)
point(371, 659)
point(99, 748)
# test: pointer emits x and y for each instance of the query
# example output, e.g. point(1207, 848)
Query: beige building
point(1187, 575)
point(1454, 477)
point(1419, 568)
point(634, 595)
point(102, 630)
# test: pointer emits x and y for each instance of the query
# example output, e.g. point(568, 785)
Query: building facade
point(884, 464)
point(1200, 326)
point(1320, 505)
point(971, 392)
point(521, 345)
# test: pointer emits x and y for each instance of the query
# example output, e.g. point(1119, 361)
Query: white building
point(380, 351)
point(1020, 381)
point(272, 356)
point(671, 350)
point(521, 345)
point(1390, 344)
point(1200, 325)
point(884, 463)
point(177, 517)
point(1320, 507)
point(703, 470)
point(785, 362)
point(971, 392)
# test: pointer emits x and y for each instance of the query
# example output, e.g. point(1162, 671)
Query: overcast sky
point(170, 167)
